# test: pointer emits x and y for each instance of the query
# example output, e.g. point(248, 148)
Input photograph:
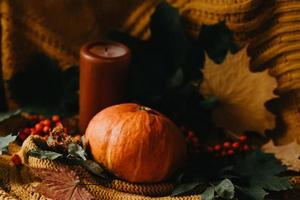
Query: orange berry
point(55, 118)
point(235, 145)
point(217, 147)
point(226, 144)
point(16, 160)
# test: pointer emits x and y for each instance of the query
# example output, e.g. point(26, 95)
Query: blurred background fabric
point(58, 28)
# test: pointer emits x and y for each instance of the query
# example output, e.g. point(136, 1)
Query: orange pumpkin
point(136, 143)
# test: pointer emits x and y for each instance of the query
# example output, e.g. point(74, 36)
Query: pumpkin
point(136, 143)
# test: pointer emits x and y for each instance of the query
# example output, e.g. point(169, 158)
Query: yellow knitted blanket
point(19, 183)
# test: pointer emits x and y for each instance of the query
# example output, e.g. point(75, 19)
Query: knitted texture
point(20, 182)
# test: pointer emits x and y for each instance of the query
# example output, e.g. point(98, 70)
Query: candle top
point(108, 50)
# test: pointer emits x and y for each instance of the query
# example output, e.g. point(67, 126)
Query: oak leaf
point(61, 184)
point(288, 154)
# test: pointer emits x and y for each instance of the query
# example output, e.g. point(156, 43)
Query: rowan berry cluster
point(230, 148)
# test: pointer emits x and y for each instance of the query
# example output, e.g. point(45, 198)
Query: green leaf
point(8, 115)
point(184, 187)
point(253, 193)
point(274, 183)
point(208, 194)
point(77, 151)
point(4, 142)
point(93, 167)
point(43, 154)
point(261, 170)
point(225, 189)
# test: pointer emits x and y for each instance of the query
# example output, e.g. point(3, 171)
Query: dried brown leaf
point(288, 154)
point(61, 184)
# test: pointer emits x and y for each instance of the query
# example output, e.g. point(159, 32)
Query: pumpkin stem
point(147, 109)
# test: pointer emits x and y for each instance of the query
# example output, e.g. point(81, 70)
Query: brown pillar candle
point(103, 74)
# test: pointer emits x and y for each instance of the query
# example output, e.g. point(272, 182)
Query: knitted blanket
point(19, 182)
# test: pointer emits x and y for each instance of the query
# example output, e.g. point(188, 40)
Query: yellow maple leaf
point(242, 93)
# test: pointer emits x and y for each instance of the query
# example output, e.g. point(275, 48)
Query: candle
point(103, 74)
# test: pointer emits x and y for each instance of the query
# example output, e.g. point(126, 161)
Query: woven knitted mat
point(18, 183)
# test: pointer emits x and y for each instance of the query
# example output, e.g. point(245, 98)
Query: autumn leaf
point(241, 94)
point(288, 154)
point(4, 142)
point(61, 184)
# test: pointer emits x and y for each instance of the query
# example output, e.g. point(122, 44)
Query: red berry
point(230, 152)
point(46, 129)
point(38, 127)
point(226, 144)
point(35, 132)
point(246, 147)
point(46, 122)
point(55, 118)
point(16, 160)
point(217, 147)
point(235, 145)
point(243, 138)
